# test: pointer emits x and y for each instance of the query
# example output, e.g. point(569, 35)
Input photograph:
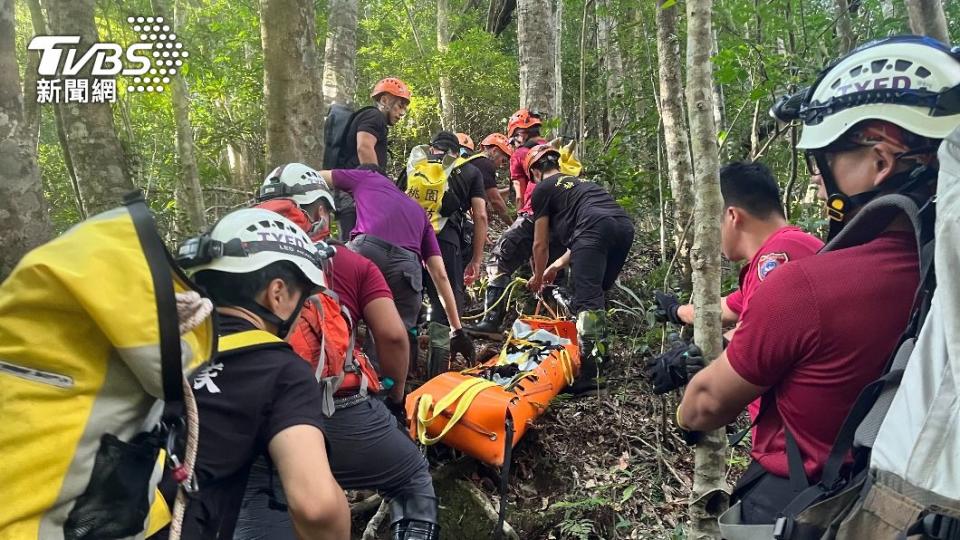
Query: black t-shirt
point(244, 399)
point(465, 183)
point(372, 121)
point(488, 171)
point(573, 205)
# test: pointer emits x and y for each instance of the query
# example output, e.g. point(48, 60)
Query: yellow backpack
point(427, 181)
point(90, 340)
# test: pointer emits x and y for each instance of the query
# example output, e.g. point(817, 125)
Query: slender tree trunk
point(844, 25)
point(98, 158)
point(612, 63)
point(710, 458)
point(676, 138)
point(340, 53)
point(192, 193)
point(927, 18)
point(291, 85)
point(448, 114)
point(537, 38)
point(886, 7)
point(558, 64)
point(24, 219)
point(582, 107)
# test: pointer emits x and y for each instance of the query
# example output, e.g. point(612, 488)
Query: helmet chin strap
point(840, 206)
point(283, 325)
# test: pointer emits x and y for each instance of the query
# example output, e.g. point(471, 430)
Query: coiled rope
point(192, 310)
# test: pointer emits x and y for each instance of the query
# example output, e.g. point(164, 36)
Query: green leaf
point(667, 4)
point(627, 493)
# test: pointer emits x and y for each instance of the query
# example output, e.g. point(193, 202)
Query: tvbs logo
point(150, 62)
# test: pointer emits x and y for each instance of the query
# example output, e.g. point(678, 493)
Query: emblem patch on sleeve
point(769, 262)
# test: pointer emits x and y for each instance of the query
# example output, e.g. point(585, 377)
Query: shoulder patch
point(768, 262)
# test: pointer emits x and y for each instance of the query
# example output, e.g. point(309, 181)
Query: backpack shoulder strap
point(249, 340)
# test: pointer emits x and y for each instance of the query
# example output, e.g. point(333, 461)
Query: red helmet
point(499, 140)
point(466, 141)
point(537, 153)
point(522, 119)
point(392, 86)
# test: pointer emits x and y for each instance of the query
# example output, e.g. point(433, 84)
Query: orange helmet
point(392, 86)
point(499, 140)
point(466, 141)
point(522, 119)
point(537, 153)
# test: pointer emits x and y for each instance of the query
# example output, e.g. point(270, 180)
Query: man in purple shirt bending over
point(394, 232)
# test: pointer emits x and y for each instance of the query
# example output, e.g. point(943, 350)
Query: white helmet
point(301, 183)
point(910, 81)
point(247, 240)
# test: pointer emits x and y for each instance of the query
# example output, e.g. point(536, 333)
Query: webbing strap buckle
point(941, 527)
point(783, 528)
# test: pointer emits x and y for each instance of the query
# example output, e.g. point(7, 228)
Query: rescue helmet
point(249, 239)
point(903, 90)
point(466, 141)
point(540, 153)
point(498, 140)
point(392, 86)
point(522, 119)
point(297, 181)
point(910, 81)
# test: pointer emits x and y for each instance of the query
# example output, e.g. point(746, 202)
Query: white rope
point(192, 310)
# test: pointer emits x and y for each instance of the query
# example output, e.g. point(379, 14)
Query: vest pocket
point(36, 375)
point(116, 502)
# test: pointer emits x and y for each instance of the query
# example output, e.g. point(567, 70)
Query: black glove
point(667, 306)
point(461, 343)
point(674, 368)
point(398, 411)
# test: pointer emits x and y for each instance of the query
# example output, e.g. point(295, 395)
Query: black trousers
point(451, 251)
point(367, 450)
point(596, 259)
point(346, 214)
point(515, 247)
point(762, 495)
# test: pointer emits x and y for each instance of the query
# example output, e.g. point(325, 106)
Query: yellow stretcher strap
point(247, 338)
point(567, 364)
point(463, 394)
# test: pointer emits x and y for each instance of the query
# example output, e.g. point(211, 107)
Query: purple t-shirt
point(387, 213)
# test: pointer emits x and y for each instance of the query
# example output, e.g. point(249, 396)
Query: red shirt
point(357, 281)
point(786, 244)
point(818, 331)
point(518, 173)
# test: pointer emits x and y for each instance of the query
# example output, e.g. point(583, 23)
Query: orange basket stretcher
point(485, 410)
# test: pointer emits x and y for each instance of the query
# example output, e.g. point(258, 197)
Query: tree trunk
point(192, 193)
point(340, 54)
point(291, 85)
point(98, 158)
point(676, 138)
point(710, 456)
point(558, 64)
point(538, 57)
point(927, 18)
point(844, 25)
point(24, 219)
point(612, 63)
point(448, 115)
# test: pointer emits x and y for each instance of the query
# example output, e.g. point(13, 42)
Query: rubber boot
point(438, 356)
point(489, 327)
point(414, 517)
point(592, 338)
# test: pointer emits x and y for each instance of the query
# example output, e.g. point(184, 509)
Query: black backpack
point(335, 130)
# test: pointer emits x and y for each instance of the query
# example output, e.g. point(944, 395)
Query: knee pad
point(592, 324)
